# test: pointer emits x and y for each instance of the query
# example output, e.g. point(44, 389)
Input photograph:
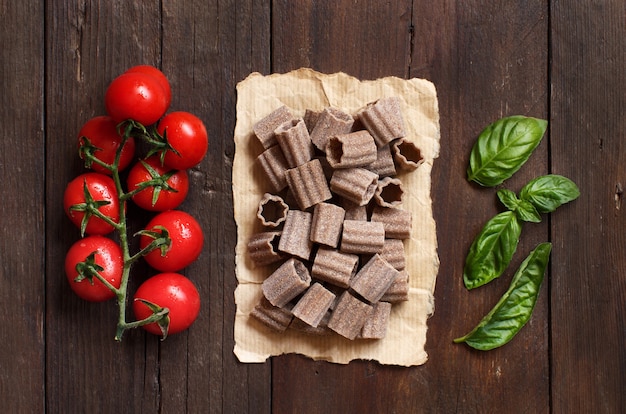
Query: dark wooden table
point(557, 60)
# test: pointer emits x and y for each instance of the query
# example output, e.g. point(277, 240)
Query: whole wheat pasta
point(356, 149)
point(264, 129)
point(397, 222)
point(308, 184)
point(384, 165)
point(314, 304)
point(355, 184)
point(389, 192)
point(310, 119)
point(327, 223)
point(293, 138)
point(320, 330)
point(375, 326)
point(374, 278)
point(406, 154)
point(295, 239)
point(334, 267)
point(383, 119)
point(286, 282)
point(274, 165)
point(393, 252)
point(272, 316)
point(349, 315)
point(263, 248)
point(399, 290)
point(330, 122)
point(272, 210)
point(362, 237)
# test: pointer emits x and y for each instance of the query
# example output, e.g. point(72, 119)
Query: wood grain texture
point(557, 60)
point(588, 290)
point(22, 249)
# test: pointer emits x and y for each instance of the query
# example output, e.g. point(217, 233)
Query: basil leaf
point(508, 198)
point(515, 307)
point(492, 250)
point(503, 147)
point(548, 192)
point(527, 212)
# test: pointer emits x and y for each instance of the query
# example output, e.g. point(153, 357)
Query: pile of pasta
point(334, 228)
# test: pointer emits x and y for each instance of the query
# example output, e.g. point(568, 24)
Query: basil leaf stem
point(515, 307)
point(492, 250)
point(503, 147)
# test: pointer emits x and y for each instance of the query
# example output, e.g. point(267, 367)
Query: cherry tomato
point(100, 188)
point(167, 198)
point(186, 237)
point(107, 255)
point(136, 96)
point(168, 290)
point(102, 133)
point(187, 135)
point(160, 76)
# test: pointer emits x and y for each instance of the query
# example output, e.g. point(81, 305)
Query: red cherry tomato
point(100, 188)
point(107, 254)
point(172, 291)
point(160, 76)
point(102, 133)
point(187, 135)
point(186, 237)
point(136, 96)
point(167, 198)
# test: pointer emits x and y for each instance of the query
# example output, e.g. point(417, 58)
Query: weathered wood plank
point(88, 44)
point(588, 288)
point(22, 139)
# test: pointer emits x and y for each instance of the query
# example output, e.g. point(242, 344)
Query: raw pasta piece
point(274, 165)
point(314, 304)
point(397, 222)
point(264, 129)
point(383, 119)
point(373, 280)
point(334, 267)
point(389, 192)
point(320, 330)
point(330, 122)
point(362, 237)
point(310, 118)
point(327, 223)
point(308, 184)
point(263, 248)
point(384, 165)
point(295, 239)
point(286, 282)
point(293, 138)
point(399, 289)
point(355, 212)
point(406, 154)
point(356, 149)
point(272, 316)
point(375, 327)
point(355, 184)
point(393, 252)
point(272, 210)
point(349, 315)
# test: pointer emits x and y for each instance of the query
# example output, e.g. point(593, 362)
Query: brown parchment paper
point(259, 95)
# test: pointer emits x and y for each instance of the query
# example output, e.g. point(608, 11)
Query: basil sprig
point(515, 307)
point(492, 250)
point(503, 147)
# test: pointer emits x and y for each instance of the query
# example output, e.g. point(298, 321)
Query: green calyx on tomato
point(99, 268)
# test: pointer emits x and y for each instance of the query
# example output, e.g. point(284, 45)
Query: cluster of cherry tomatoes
point(97, 265)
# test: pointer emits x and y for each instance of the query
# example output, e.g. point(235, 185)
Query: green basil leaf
point(527, 212)
point(515, 307)
point(492, 250)
point(550, 191)
point(508, 198)
point(503, 147)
